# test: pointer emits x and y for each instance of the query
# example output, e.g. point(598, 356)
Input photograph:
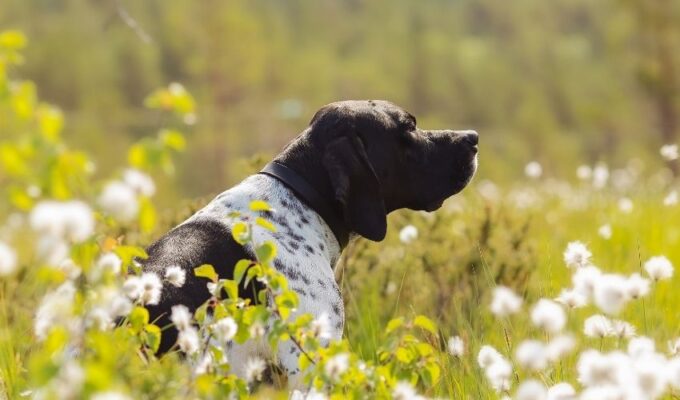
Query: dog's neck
point(310, 196)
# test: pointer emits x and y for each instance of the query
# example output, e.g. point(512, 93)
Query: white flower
point(597, 326)
point(585, 279)
point(659, 268)
point(188, 341)
point(622, 329)
point(637, 286)
point(151, 288)
point(404, 391)
point(671, 199)
point(625, 205)
point(52, 250)
point(69, 268)
point(531, 389)
point(336, 366)
point(572, 298)
point(181, 317)
point(673, 372)
point(584, 172)
point(257, 330)
point(559, 347)
point(652, 374)
point(203, 365)
point(605, 232)
point(531, 355)
point(225, 329)
point(610, 293)
point(55, 309)
point(321, 327)
point(455, 346)
point(577, 255)
point(669, 152)
point(561, 391)
point(548, 316)
point(99, 318)
point(640, 346)
point(596, 369)
point(8, 260)
point(505, 302)
point(176, 276)
point(487, 356)
point(600, 176)
point(499, 374)
point(120, 201)
point(120, 306)
point(254, 369)
point(69, 220)
point(140, 182)
point(533, 170)
point(408, 234)
point(133, 287)
point(107, 263)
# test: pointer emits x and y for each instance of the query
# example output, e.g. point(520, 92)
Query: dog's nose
point(470, 137)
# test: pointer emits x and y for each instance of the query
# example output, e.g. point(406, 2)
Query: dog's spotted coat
point(307, 252)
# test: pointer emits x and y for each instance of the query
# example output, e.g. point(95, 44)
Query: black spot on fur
point(309, 249)
point(294, 245)
point(321, 283)
point(305, 280)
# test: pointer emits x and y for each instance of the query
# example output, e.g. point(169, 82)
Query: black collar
point(309, 196)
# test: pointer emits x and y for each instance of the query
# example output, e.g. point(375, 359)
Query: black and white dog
point(355, 163)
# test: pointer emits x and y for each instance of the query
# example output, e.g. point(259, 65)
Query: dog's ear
point(356, 187)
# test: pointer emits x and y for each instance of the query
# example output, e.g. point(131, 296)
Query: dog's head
point(376, 160)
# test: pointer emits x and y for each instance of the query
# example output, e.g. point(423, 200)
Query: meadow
point(488, 269)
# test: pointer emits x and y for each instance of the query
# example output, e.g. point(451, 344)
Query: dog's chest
point(306, 247)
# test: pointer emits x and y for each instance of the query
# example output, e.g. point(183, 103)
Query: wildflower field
point(549, 287)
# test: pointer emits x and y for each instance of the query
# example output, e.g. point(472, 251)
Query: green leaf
point(240, 233)
point(172, 139)
point(147, 215)
point(231, 287)
point(404, 355)
point(259, 205)
point(266, 252)
point(240, 269)
point(139, 317)
point(206, 271)
point(265, 224)
point(394, 324)
point(431, 374)
point(425, 323)
point(12, 40)
point(153, 336)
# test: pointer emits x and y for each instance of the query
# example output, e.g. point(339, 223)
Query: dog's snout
point(470, 137)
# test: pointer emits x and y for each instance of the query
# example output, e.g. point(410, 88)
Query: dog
point(355, 163)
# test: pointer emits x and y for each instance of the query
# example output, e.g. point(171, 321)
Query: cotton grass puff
point(600, 176)
point(605, 232)
point(8, 260)
point(610, 294)
point(55, 309)
point(577, 255)
point(597, 369)
point(572, 298)
point(120, 201)
point(671, 198)
point(404, 391)
point(68, 220)
point(320, 327)
point(188, 340)
point(108, 263)
point(336, 366)
point(488, 355)
point(597, 326)
point(622, 329)
point(548, 315)
point(674, 347)
point(561, 391)
point(225, 329)
point(151, 287)
point(533, 170)
point(181, 317)
point(175, 276)
point(659, 268)
point(455, 346)
point(641, 346)
point(637, 286)
point(499, 375)
point(584, 172)
point(139, 182)
point(669, 152)
point(531, 355)
point(254, 369)
point(652, 375)
point(408, 234)
point(531, 389)
point(626, 205)
point(505, 302)
point(585, 279)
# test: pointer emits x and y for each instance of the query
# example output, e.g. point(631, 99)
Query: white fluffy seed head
point(139, 182)
point(659, 268)
point(531, 389)
point(585, 279)
point(549, 316)
point(181, 317)
point(505, 302)
point(637, 286)
point(610, 293)
point(225, 329)
point(532, 355)
point(487, 356)
point(572, 298)
point(336, 366)
point(321, 327)
point(597, 326)
point(151, 288)
point(455, 346)
point(120, 201)
point(175, 276)
point(188, 340)
point(68, 220)
point(561, 391)
point(641, 346)
point(8, 260)
point(533, 170)
point(605, 232)
point(669, 152)
point(408, 234)
point(559, 347)
point(577, 255)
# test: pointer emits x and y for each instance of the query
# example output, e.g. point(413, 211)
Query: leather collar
point(311, 197)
